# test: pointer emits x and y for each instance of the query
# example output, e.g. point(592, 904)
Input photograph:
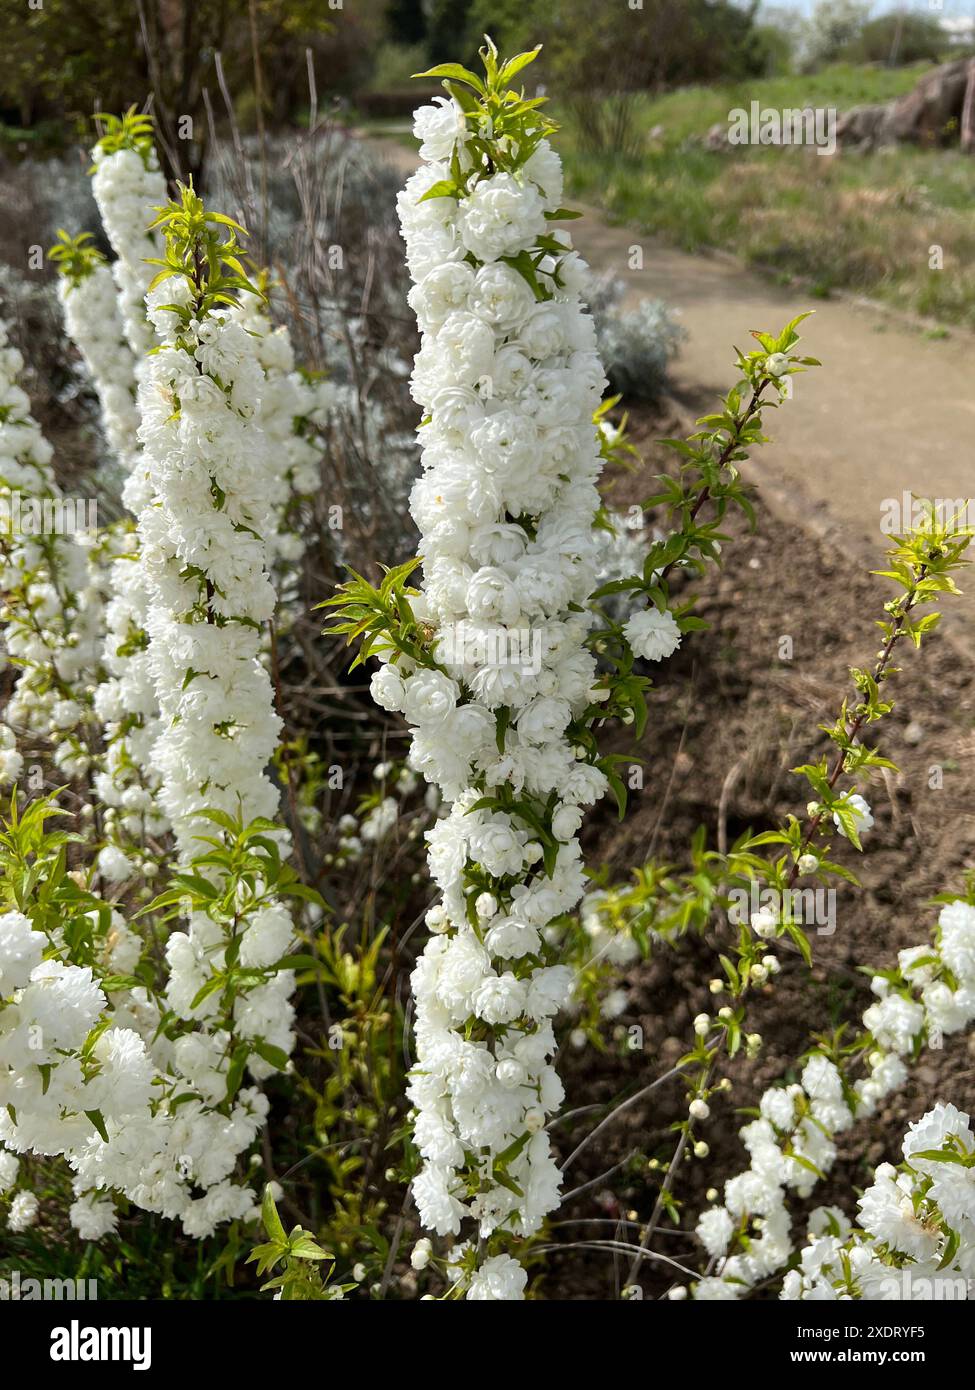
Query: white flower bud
point(421, 1253)
point(486, 905)
point(437, 919)
point(764, 923)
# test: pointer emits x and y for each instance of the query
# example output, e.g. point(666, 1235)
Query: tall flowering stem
point(922, 565)
point(89, 299)
point(489, 662)
point(141, 1081)
point(707, 485)
point(128, 187)
point(205, 557)
point(126, 182)
point(202, 534)
point(49, 611)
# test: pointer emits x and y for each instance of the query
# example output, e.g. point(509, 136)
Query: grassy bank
point(858, 222)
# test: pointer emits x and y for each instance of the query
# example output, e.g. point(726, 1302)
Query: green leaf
point(942, 1156)
point(274, 1056)
point(443, 188)
point(458, 73)
point(306, 1248)
point(235, 1072)
point(270, 1218)
point(98, 1121)
point(514, 65)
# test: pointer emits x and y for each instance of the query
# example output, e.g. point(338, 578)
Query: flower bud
point(421, 1253)
point(764, 923)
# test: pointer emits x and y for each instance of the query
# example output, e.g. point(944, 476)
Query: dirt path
point(892, 411)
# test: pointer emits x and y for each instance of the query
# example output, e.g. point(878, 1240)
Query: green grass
point(861, 223)
point(691, 110)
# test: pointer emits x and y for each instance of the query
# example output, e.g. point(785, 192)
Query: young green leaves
point(196, 252)
point(74, 257)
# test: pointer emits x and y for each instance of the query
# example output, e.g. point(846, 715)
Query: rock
point(717, 137)
point(942, 103)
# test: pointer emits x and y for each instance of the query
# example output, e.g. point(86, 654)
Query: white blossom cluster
point(127, 779)
point(204, 554)
point(791, 1144)
point(50, 609)
point(129, 189)
point(205, 558)
point(915, 1235)
point(128, 186)
point(161, 1096)
point(50, 1084)
point(93, 322)
point(287, 405)
point(508, 379)
point(78, 1063)
point(378, 815)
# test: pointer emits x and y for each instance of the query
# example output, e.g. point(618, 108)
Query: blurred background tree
point(843, 31)
point(602, 64)
point(65, 60)
point(407, 21)
point(834, 26)
point(898, 39)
